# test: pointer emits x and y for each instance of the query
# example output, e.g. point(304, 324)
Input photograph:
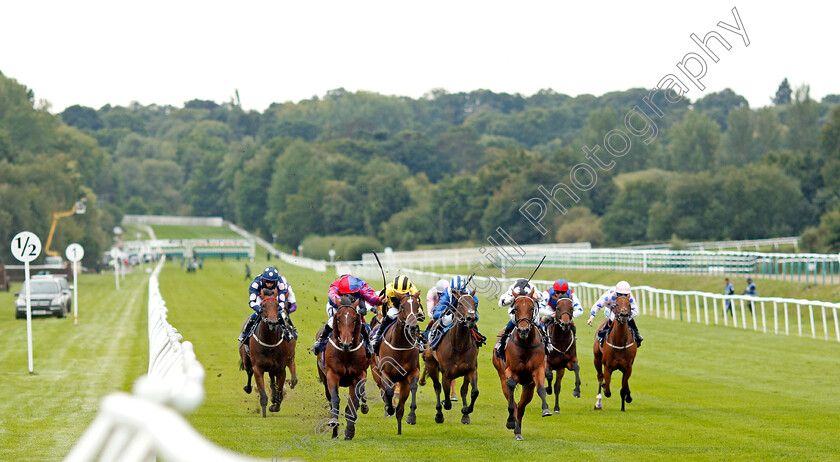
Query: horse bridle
point(420, 316)
point(558, 319)
point(264, 319)
point(529, 320)
point(453, 308)
point(336, 332)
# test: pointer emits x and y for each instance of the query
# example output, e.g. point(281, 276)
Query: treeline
point(362, 168)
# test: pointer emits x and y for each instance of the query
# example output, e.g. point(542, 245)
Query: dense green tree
point(82, 117)
point(740, 145)
point(803, 130)
point(783, 94)
point(694, 143)
point(718, 105)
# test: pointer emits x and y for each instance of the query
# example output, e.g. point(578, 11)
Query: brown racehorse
point(617, 353)
point(524, 363)
point(564, 356)
point(345, 364)
point(270, 352)
point(398, 360)
point(456, 356)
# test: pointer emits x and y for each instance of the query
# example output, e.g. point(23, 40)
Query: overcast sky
point(94, 53)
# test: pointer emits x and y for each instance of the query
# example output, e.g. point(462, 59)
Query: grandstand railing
point(149, 422)
point(768, 314)
point(309, 263)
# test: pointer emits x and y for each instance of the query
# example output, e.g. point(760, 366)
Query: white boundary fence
point(794, 267)
point(171, 220)
point(769, 314)
point(143, 425)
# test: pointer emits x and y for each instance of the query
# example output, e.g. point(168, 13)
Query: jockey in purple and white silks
point(271, 279)
point(608, 303)
point(519, 288)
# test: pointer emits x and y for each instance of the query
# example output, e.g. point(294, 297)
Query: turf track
point(700, 392)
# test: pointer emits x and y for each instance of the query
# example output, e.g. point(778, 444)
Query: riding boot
point(502, 343)
point(574, 331)
point(321, 341)
point(248, 327)
point(636, 335)
point(366, 339)
point(380, 332)
point(546, 341)
point(480, 340)
point(602, 334)
point(291, 330)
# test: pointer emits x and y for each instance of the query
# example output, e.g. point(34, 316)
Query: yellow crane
point(78, 209)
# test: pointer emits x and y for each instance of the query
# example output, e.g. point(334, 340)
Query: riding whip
point(535, 269)
point(384, 283)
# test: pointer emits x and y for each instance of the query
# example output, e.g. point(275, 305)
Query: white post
point(776, 316)
point(836, 325)
point(825, 323)
point(787, 321)
point(811, 314)
point(697, 307)
point(28, 316)
point(799, 317)
point(763, 319)
point(687, 309)
point(706, 309)
point(75, 294)
point(117, 272)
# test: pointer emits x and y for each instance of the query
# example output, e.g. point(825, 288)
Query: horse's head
point(563, 313)
point(347, 322)
point(622, 308)
point(465, 310)
point(411, 312)
point(525, 307)
point(270, 308)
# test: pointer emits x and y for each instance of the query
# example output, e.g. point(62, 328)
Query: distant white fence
point(795, 267)
point(315, 265)
point(722, 245)
point(199, 248)
point(769, 314)
point(170, 220)
point(143, 425)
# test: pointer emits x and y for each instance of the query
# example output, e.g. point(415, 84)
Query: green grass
point(42, 415)
point(194, 232)
point(130, 232)
point(701, 392)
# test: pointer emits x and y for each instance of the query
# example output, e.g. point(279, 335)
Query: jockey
point(443, 309)
point(345, 285)
point(560, 289)
point(608, 302)
point(520, 287)
point(390, 297)
point(271, 279)
point(434, 294)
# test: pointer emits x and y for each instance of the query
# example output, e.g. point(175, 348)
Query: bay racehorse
point(344, 363)
point(564, 355)
point(456, 356)
point(269, 352)
point(524, 363)
point(398, 360)
point(617, 353)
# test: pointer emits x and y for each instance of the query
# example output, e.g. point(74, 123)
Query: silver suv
point(51, 295)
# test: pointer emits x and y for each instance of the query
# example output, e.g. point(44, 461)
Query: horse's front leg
point(434, 375)
point(472, 379)
point(527, 395)
point(292, 370)
point(400, 412)
point(350, 412)
point(556, 391)
point(413, 381)
point(509, 388)
point(607, 375)
point(576, 369)
point(549, 377)
point(447, 386)
point(390, 388)
point(538, 376)
point(335, 402)
point(260, 380)
point(625, 387)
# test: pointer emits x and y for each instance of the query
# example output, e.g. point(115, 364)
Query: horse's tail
point(241, 364)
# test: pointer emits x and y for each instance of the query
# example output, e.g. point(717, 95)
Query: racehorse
point(398, 360)
point(269, 352)
point(456, 356)
point(524, 363)
point(343, 363)
point(564, 356)
point(617, 353)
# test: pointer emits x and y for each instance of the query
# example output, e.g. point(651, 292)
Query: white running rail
point(785, 316)
point(149, 422)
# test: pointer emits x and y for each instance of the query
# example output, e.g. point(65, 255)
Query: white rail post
point(811, 314)
point(836, 325)
point(825, 323)
point(763, 319)
point(706, 309)
point(776, 316)
point(697, 307)
point(799, 317)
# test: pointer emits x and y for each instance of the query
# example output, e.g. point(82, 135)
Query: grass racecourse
point(700, 392)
